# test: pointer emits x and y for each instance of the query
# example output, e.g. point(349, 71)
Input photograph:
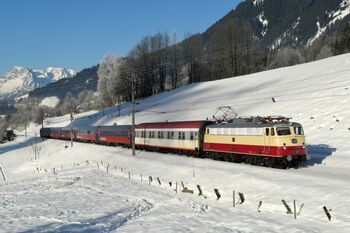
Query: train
point(267, 141)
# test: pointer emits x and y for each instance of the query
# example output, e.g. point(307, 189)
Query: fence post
point(233, 198)
point(129, 175)
point(159, 181)
point(199, 190)
point(183, 186)
point(217, 194)
point(241, 197)
point(289, 211)
point(3, 173)
point(260, 203)
point(327, 213)
point(295, 209)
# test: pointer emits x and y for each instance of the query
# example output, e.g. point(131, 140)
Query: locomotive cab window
point(298, 131)
point(267, 131)
point(282, 131)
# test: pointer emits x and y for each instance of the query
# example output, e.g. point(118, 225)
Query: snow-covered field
point(82, 197)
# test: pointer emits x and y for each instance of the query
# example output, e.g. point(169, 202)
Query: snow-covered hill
point(289, 22)
point(21, 80)
point(83, 197)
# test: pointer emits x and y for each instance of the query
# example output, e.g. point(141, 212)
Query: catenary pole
point(71, 124)
point(133, 83)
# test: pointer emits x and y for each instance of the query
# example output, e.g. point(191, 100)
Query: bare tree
point(109, 79)
point(36, 147)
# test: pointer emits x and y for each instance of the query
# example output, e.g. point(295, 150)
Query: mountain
point(275, 23)
point(83, 80)
point(278, 23)
point(20, 80)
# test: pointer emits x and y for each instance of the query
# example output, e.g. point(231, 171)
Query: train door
point(267, 140)
point(97, 135)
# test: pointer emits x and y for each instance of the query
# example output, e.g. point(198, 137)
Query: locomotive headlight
point(289, 158)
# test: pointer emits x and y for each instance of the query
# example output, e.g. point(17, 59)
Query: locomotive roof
point(173, 125)
point(253, 122)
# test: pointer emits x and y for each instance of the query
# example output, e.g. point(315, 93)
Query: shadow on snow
point(106, 223)
point(18, 145)
point(319, 153)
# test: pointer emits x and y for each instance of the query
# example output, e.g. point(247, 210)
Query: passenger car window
point(267, 132)
point(272, 132)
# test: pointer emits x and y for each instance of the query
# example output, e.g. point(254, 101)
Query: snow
point(320, 31)
point(50, 102)
point(83, 197)
point(276, 43)
point(296, 24)
point(342, 12)
point(262, 19)
point(258, 2)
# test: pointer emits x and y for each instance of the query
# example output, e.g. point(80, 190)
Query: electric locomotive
point(268, 141)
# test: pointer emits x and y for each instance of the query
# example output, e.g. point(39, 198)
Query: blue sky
point(78, 33)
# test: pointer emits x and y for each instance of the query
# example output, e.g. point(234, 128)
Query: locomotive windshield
point(298, 131)
point(283, 131)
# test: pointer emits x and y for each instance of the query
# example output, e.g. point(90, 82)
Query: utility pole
point(43, 118)
point(133, 83)
point(71, 124)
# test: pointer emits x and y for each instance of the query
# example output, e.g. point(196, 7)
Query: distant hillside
point(83, 80)
point(278, 23)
